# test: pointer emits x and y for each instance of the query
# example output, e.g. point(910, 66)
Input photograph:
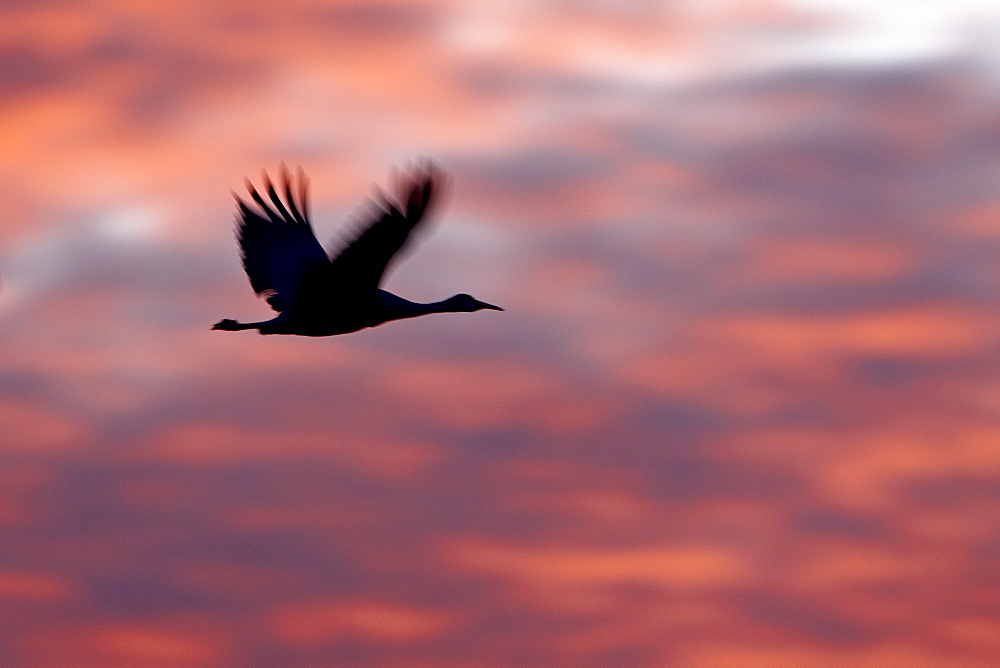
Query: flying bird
point(316, 295)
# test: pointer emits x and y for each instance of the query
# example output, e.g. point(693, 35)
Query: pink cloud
point(739, 411)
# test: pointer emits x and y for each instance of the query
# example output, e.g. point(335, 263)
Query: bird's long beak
point(489, 306)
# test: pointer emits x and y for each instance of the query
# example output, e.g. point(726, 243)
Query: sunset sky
point(742, 408)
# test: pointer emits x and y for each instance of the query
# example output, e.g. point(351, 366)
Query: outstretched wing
point(277, 244)
point(363, 262)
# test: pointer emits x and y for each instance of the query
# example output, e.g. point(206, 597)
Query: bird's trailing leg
point(233, 326)
point(273, 326)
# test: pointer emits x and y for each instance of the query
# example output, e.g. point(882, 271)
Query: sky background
point(741, 410)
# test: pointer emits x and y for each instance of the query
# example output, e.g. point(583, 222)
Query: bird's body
point(317, 296)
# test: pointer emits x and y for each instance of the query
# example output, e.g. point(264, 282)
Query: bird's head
point(464, 302)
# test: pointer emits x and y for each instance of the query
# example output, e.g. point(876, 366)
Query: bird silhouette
point(319, 296)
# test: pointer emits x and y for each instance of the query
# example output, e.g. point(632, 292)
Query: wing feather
point(365, 259)
point(299, 217)
point(278, 248)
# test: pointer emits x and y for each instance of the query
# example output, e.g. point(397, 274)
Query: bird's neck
point(443, 306)
point(450, 305)
point(398, 308)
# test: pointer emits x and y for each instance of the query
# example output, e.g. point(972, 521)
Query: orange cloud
point(740, 410)
point(307, 624)
point(679, 567)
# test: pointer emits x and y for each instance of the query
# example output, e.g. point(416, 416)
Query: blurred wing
point(278, 248)
point(361, 265)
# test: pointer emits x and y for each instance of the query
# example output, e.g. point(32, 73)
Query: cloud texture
point(742, 407)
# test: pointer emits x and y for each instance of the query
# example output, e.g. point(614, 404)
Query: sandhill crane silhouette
point(318, 296)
